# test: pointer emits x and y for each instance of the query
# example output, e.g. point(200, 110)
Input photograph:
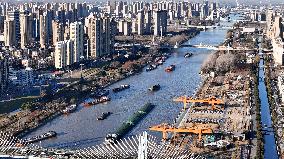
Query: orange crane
point(165, 128)
point(211, 100)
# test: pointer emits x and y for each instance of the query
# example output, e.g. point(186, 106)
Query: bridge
point(140, 146)
point(205, 27)
point(209, 47)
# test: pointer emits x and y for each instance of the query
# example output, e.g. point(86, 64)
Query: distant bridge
point(210, 47)
point(205, 27)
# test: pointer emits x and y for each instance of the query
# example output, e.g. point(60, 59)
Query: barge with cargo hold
point(41, 137)
point(130, 123)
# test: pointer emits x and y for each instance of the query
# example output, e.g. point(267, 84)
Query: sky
point(220, 1)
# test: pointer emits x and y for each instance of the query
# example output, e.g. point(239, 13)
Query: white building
point(9, 33)
point(77, 35)
point(140, 21)
point(63, 55)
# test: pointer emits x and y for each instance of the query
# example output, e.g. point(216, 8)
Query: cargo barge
point(130, 123)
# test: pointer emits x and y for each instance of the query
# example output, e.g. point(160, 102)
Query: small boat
point(104, 115)
point(151, 67)
point(155, 88)
point(160, 62)
point(121, 88)
point(41, 137)
point(176, 45)
point(69, 109)
point(100, 100)
point(87, 104)
point(170, 68)
point(111, 138)
point(187, 55)
point(103, 99)
point(100, 93)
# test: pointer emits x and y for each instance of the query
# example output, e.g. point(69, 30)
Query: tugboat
point(104, 115)
point(69, 109)
point(121, 88)
point(100, 100)
point(100, 93)
point(97, 101)
point(155, 88)
point(170, 68)
point(41, 137)
point(187, 55)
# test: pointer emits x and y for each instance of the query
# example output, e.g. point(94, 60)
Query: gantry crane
point(211, 100)
point(165, 128)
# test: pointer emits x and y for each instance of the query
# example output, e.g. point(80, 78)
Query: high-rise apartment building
point(58, 31)
point(26, 29)
point(148, 22)
point(63, 55)
point(95, 30)
point(9, 32)
point(101, 32)
point(140, 21)
point(77, 35)
point(42, 29)
point(15, 16)
point(160, 22)
point(106, 36)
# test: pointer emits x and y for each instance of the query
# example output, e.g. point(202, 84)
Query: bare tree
point(226, 62)
point(209, 64)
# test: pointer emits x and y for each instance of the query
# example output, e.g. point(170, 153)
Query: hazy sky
point(220, 1)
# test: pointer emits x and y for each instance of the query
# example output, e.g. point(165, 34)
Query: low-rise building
point(3, 74)
point(21, 77)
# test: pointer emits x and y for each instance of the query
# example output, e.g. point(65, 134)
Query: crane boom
point(211, 100)
point(165, 128)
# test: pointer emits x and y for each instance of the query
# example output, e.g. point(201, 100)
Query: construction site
point(219, 119)
point(212, 123)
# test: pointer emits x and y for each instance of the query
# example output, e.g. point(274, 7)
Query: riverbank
point(50, 104)
point(256, 101)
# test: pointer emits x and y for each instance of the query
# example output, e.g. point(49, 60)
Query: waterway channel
point(270, 150)
point(81, 129)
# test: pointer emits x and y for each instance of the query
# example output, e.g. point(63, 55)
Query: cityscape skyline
point(138, 79)
point(218, 1)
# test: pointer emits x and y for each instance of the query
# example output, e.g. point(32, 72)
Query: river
point(81, 129)
point(270, 150)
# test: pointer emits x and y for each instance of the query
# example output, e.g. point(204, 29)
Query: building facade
point(77, 35)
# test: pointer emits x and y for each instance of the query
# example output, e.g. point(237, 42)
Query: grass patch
point(9, 106)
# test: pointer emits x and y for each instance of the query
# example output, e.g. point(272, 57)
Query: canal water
point(270, 150)
point(81, 129)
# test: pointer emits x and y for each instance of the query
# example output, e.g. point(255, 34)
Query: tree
point(73, 100)
point(226, 62)
point(209, 64)
point(26, 106)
